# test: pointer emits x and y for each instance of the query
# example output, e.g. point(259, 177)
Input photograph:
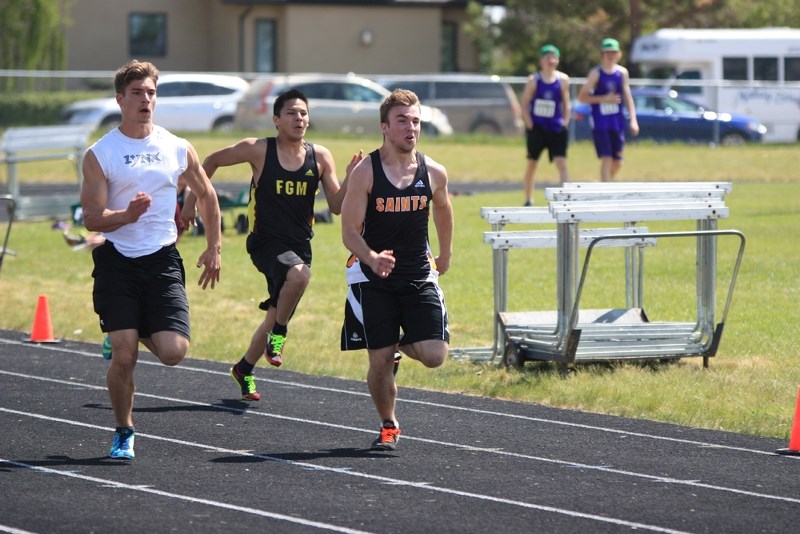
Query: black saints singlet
point(397, 219)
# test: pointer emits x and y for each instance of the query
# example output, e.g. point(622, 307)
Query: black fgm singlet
point(282, 205)
point(397, 219)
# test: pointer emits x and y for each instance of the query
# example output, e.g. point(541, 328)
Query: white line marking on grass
point(313, 467)
point(197, 500)
point(188, 367)
point(600, 468)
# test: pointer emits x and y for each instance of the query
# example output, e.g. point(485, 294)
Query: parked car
point(184, 102)
point(337, 103)
point(473, 103)
point(666, 116)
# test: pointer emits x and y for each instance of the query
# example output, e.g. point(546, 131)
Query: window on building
point(147, 33)
point(791, 69)
point(734, 68)
point(765, 69)
point(449, 46)
point(265, 45)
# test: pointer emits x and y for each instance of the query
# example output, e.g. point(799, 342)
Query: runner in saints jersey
point(397, 219)
point(287, 171)
point(394, 301)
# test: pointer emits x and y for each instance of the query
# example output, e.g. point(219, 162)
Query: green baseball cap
point(609, 45)
point(549, 49)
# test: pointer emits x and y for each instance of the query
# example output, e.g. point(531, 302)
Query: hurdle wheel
point(512, 356)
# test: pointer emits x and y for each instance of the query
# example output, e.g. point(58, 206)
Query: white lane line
point(196, 500)
point(188, 367)
point(488, 450)
point(12, 530)
point(314, 467)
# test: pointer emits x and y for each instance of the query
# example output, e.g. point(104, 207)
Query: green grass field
point(750, 387)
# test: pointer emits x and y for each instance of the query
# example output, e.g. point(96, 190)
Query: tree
point(511, 45)
point(31, 35)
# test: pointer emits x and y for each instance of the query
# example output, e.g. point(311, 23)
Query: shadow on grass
point(547, 369)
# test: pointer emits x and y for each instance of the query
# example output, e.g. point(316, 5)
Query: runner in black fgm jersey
point(287, 170)
point(282, 201)
point(392, 275)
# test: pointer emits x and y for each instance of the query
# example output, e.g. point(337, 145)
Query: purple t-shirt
point(608, 116)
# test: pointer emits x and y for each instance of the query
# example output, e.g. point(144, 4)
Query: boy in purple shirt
point(607, 87)
point(547, 110)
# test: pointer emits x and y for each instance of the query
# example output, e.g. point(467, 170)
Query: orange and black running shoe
point(388, 438)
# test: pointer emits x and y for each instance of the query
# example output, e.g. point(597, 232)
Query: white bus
point(753, 72)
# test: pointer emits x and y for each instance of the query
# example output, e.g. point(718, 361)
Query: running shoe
point(274, 348)
point(388, 438)
point(397, 357)
point(247, 384)
point(107, 348)
point(123, 444)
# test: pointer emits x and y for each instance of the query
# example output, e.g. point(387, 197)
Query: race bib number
point(544, 108)
point(609, 109)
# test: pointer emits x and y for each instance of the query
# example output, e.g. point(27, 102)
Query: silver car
point(337, 103)
point(474, 103)
point(184, 102)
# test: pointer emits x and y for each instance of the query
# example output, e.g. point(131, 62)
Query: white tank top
point(151, 165)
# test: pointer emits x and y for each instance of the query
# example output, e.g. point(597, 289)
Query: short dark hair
point(132, 71)
point(291, 94)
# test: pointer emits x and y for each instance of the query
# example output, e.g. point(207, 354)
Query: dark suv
point(473, 103)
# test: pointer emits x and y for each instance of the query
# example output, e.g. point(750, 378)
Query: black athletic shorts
point(376, 311)
point(540, 138)
point(147, 294)
point(273, 259)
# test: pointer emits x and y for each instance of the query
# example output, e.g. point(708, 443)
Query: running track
point(297, 460)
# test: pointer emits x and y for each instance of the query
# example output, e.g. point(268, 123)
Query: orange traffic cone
point(794, 439)
point(42, 330)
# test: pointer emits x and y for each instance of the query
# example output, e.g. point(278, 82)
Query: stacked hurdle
point(571, 334)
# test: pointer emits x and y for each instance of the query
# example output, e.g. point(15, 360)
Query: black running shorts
point(375, 313)
point(540, 138)
point(273, 259)
point(147, 294)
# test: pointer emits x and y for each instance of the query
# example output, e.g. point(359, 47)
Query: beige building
point(366, 36)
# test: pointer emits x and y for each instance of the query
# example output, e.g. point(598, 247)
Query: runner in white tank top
point(129, 193)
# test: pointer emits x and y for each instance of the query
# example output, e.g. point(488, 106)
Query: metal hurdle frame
point(571, 335)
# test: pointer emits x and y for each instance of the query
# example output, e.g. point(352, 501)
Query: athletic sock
point(279, 329)
point(244, 367)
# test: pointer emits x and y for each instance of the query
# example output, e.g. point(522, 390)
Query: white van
point(752, 72)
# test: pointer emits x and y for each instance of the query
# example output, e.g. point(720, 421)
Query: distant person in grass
point(392, 275)
point(545, 100)
point(607, 88)
point(287, 171)
point(130, 183)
